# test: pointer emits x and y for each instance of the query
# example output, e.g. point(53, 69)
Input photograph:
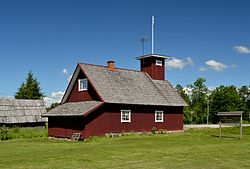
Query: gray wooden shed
point(22, 112)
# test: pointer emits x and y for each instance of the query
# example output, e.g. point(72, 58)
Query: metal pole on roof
point(153, 21)
point(143, 40)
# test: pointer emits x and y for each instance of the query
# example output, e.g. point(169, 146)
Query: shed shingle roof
point(73, 108)
point(131, 87)
point(21, 111)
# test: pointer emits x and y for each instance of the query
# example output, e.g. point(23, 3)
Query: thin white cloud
point(189, 61)
point(55, 97)
point(242, 49)
point(203, 69)
point(175, 63)
point(216, 66)
point(69, 78)
point(233, 66)
point(65, 72)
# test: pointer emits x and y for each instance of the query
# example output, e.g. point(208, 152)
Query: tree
point(30, 89)
point(52, 106)
point(186, 112)
point(183, 94)
point(244, 93)
point(198, 101)
point(224, 98)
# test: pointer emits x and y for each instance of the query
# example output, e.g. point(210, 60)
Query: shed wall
point(65, 126)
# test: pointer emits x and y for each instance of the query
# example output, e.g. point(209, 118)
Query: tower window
point(158, 63)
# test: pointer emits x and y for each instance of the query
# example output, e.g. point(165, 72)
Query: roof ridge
point(158, 90)
point(115, 67)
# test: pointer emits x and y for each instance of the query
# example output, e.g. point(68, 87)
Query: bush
point(4, 133)
point(154, 129)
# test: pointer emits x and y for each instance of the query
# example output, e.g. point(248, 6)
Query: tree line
point(204, 104)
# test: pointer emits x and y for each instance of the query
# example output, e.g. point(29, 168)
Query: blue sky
point(207, 39)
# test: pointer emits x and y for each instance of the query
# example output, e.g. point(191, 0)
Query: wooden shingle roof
point(131, 87)
point(14, 111)
point(73, 108)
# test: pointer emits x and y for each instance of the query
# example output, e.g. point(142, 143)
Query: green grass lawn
point(200, 148)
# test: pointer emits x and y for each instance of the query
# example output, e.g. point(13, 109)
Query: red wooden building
point(103, 99)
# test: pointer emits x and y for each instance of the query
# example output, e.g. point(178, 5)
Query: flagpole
point(153, 21)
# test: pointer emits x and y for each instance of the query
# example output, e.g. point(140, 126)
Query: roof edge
point(152, 55)
point(69, 86)
point(91, 83)
point(93, 109)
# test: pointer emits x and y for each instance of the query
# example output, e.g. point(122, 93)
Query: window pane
point(83, 84)
point(158, 63)
point(159, 116)
point(125, 115)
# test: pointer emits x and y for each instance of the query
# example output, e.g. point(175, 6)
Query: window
point(82, 84)
point(159, 116)
point(125, 116)
point(158, 63)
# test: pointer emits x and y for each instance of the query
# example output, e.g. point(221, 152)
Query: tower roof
point(152, 55)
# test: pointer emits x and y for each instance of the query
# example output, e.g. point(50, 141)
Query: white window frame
point(159, 120)
point(129, 116)
point(158, 62)
point(82, 87)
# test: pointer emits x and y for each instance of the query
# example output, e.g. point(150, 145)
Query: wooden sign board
point(231, 118)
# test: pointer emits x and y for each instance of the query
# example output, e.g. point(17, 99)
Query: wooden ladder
point(76, 136)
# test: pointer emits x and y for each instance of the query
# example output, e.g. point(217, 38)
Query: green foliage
point(198, 101)
point(224, 98)
point(4, 133)
point(30, 89)
point(187, 116)
point(183, 94)
point(52, 106)
point(20, 133)
point(244, 93)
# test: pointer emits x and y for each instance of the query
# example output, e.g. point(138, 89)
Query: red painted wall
point(76, 96)
point(142, 119)
point(65, 126)
point(155, 72)
point(108, 119)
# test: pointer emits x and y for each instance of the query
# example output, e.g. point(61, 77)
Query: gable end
point(72, 93)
